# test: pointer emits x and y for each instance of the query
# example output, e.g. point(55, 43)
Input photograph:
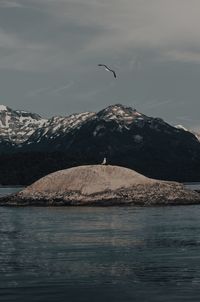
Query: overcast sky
point(50, 49)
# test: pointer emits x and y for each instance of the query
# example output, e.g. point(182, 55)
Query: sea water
point(98, 254)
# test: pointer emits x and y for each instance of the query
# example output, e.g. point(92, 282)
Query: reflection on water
point(100, 254)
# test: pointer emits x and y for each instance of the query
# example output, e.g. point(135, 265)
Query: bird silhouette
point(108, 69)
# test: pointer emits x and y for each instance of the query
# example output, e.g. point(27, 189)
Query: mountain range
point(31, 146)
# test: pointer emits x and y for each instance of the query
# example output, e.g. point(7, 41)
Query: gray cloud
point(95, 27)
point(10, 4)
point(171, 27)
point(50, 90)
point(154, 46)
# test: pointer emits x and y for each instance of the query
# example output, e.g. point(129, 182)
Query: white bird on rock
point(104, 161)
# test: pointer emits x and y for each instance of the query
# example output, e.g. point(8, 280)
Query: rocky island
point(100, 185)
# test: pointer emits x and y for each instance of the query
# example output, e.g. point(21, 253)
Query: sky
point(50, 51)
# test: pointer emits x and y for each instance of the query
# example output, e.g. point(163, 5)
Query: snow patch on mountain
point(3, 108)
point(195, 132)
point(17, 126)
point(58, 126)
point(181, 127)
point(138, 138)
point(122, 115)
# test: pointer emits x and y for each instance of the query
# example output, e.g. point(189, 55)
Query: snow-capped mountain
point(23, 129)
point(123, 135)
point(62, 131)
point(58, 126)
point(16, 126)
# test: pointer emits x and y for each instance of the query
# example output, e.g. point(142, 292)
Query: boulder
point(101, 185)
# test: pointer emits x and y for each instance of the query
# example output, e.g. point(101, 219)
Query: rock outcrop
point(101, 185)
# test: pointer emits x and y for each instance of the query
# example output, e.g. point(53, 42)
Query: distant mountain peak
point(117, 107)
point(120, 113)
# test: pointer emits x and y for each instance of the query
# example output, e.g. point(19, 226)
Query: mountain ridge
point(123, 135)
point(20, 126)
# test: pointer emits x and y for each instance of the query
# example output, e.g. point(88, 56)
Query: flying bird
point(108, 69)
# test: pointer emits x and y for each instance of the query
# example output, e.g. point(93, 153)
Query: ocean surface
point(99, 254)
